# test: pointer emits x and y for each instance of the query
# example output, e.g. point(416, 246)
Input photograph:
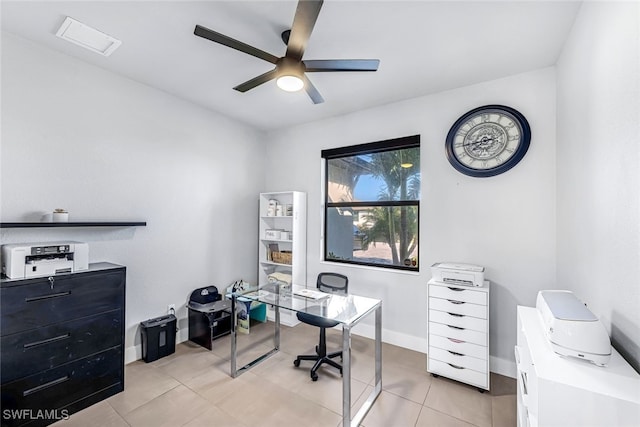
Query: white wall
point(598, 161)
point(506, 223)
point(107, 148)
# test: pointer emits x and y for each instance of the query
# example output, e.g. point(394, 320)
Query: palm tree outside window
point(372, 203)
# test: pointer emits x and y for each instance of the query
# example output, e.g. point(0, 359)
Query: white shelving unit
point(293, 221)
point(563, 391)
point(459, 332)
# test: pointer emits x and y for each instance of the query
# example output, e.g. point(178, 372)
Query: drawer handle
point(456, 327)
point(456, 289)
point(455, 340)
point(455, 366)
point(455, 314)
point(47, 341)
point(455, 354)
point(43, 297)
point(452, 301)
point(45, 386)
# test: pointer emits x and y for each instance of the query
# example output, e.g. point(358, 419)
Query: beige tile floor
point(192, 388)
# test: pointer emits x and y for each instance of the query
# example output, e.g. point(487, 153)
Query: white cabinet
point(283, 242)
point(459, 332)
point(561, 391)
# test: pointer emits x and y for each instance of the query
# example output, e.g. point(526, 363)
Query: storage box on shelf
point(569, 392)
point(459, 332)
point(283, 242)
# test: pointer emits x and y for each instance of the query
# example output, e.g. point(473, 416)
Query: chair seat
point(320, 322)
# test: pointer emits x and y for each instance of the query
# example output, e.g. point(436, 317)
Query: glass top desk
point(347, 310)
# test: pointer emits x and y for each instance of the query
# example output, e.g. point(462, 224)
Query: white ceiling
point(423, 46)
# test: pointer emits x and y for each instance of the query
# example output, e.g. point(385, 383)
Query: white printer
point(458, 273)
point(572, 329)
point(25, 260)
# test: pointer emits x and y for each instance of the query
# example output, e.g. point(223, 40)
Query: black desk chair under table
point(330, 283)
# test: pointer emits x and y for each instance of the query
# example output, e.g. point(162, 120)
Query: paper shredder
point(158, 337)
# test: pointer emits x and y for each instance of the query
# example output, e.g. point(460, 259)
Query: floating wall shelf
point(72, 224)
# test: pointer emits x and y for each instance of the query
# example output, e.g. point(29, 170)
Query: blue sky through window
point(368, 188)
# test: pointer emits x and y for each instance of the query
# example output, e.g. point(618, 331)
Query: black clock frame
point(522, 149)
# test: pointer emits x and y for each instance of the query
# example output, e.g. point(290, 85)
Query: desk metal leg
point(234, 341)
point(346, 375)
point(346, 378)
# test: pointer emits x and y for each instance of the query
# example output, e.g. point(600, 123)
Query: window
point(372, 203)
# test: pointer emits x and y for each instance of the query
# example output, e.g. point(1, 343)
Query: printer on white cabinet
point(457, 273)
point(572, 329)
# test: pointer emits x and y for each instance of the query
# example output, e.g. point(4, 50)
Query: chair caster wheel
point(296, 363)
point(435, 375)
point(481, 390)
point(314, 377)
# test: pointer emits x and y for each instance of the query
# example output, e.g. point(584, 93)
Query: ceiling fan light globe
point(290, 83)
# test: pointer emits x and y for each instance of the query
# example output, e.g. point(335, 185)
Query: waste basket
point(158, 337)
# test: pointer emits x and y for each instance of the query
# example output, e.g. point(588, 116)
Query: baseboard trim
point(502, 366)
point(498, 365)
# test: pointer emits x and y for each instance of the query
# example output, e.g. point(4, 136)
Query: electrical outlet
point(171, 309)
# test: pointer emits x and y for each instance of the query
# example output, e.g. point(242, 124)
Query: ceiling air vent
point(96, 41)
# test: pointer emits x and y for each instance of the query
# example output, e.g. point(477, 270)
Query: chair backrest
point(333, 283)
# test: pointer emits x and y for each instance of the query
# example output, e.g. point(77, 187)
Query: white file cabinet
point(459, 332)
point(567, 392)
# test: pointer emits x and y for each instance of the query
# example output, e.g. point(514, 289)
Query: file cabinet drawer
point(40, 302)
point(460, 320)
point(66, 384)
point(466, 375)
point(467, 335)
point(458, 294)
point(458, 346)
point(458, 359)
point(26, 353)
point(458, 307)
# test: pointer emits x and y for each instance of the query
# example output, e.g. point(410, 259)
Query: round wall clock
point(488, 141)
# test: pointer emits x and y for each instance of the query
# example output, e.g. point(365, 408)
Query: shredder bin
point(158, 337)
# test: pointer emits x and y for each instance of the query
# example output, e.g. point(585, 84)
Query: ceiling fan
point(290, 70)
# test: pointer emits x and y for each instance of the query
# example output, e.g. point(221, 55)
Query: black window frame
point(412, 141)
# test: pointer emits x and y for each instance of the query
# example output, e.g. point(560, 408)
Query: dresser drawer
point(458, 307)
point(465, 375)
point(458, 294)
point(26, 353)
point(458, 346)
point(460, 320)
point(42, 302)
point(455, 332)
point(458, 359)
point(65, 384)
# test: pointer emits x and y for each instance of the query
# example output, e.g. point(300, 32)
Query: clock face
point(488, 141)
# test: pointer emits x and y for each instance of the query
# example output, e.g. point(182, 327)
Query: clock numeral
point(510, 150)
point(462, 133)
point(485, 164)
point(509, 126)
point(514, 137)
point(498, 160)
point(485, 118)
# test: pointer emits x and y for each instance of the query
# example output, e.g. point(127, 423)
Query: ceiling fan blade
point(312, 91)
point(341, 65)
point(233, 43)
point(257, 81)
point(303, 23)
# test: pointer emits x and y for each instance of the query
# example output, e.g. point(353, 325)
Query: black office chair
point(331, 283)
